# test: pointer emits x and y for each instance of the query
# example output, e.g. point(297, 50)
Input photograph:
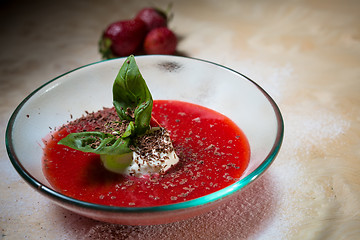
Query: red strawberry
point(122, 38)
point(160, 41)
point(153, 18)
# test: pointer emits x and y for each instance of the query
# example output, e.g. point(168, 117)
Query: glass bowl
point(168, 77)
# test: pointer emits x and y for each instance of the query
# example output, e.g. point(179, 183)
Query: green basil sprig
point(131, 96)
point(133, 102)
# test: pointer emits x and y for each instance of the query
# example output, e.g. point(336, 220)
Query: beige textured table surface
point(306, 54)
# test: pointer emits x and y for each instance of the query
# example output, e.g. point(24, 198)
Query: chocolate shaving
point(152, 144)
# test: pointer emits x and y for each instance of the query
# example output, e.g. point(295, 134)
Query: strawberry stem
point(105, 48)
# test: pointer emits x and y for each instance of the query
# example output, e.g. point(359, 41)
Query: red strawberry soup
point(213, 153)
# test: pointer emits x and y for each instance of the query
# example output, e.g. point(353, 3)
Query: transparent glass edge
point(177, 206)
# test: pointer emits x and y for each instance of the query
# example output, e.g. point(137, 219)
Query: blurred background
point(305, 54)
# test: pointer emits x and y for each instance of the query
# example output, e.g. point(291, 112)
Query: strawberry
point(152, 17)
point(160, 41)
point(122, 38)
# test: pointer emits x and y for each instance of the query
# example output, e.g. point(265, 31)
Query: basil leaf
point(97, 142)
point(129, 130)
point(131, 96)
point(143, 117)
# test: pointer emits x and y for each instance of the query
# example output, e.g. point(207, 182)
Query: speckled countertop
point(306, 54)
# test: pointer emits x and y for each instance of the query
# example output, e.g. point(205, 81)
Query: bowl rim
point(238, 185)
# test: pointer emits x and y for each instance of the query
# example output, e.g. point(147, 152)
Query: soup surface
point(213, 154)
